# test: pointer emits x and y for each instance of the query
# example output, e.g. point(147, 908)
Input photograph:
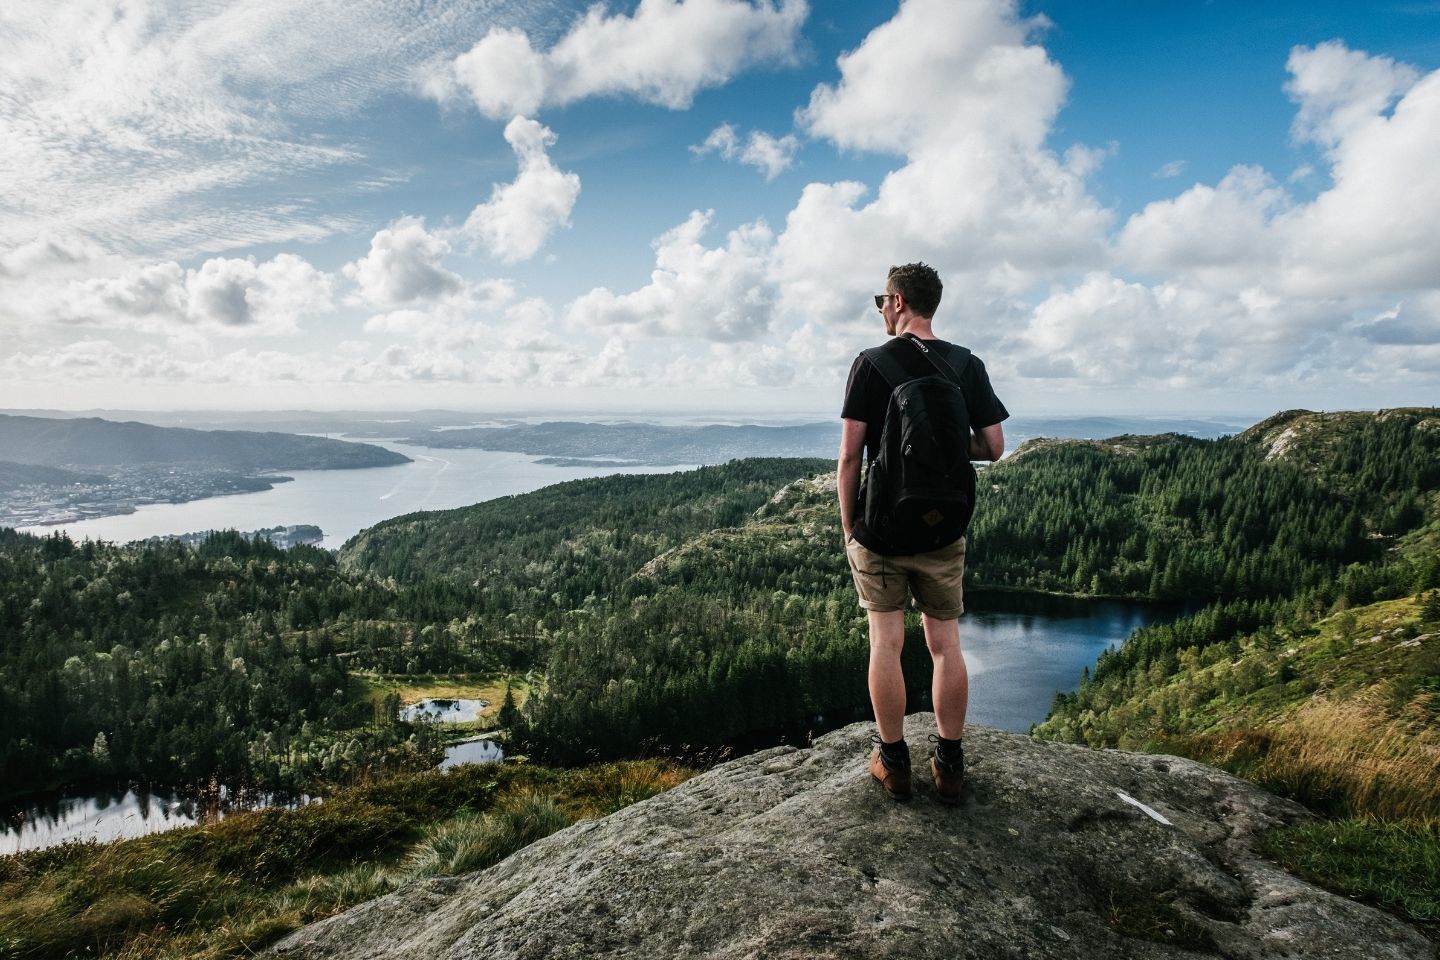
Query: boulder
point(1054, 851)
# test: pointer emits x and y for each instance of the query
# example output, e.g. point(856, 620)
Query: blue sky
point(1217, 207)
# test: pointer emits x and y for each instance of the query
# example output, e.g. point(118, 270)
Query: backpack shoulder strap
point(888, 367)
point(959, 357)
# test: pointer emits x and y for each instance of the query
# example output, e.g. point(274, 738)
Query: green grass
point(231, 888)
point(1392, 865)
point(1343, 717)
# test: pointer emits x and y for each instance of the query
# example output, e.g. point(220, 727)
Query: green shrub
point(426, 796)
point(98, 897)
point(275, 844)
point(474, 843)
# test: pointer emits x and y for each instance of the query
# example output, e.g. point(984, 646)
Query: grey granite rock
point(797, 853)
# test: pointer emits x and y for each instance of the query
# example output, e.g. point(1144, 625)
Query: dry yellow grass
point(1347, 758)
point(1371, 763)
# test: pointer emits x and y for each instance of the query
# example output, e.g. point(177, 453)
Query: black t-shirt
point(867, 393)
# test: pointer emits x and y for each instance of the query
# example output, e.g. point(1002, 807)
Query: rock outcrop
point(1055, 851)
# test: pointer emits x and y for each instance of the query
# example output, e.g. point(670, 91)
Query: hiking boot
point(895, 780)
point(949, 777)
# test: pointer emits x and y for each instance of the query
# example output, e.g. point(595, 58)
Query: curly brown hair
point(919, 284)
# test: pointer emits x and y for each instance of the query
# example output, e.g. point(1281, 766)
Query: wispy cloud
point(145, 126)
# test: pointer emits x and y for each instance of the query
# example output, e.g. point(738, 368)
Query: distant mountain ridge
point(657, 444)
point(646, 443)
point(93, 442)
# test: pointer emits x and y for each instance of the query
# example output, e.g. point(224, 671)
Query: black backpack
point(919, 490)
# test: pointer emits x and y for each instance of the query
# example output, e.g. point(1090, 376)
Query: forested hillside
point(237, 658)
point(176, 664)
point(657, 611)
point(749, 627)
point(547, 540)
point(1206, 685)
point(1251, 516)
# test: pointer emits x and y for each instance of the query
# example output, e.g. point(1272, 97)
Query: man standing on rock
point(919, 409)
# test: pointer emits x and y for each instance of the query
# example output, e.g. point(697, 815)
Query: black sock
point(949, 752)
point(895, 755)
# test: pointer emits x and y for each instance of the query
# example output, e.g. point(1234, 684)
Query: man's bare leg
point(887, 683)
point(950, 688)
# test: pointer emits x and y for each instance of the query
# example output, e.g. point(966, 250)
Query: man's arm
point(847, 471)
point(987, 443)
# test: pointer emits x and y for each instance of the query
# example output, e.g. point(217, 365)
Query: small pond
point(121, 813)
point(444, 711)
point(479, 750)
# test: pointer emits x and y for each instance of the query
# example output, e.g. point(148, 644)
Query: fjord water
point(344, 502)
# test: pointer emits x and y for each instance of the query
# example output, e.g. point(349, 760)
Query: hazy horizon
point(709, 415)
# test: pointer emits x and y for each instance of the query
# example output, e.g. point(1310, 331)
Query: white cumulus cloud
point(404, 265)
point(1341, 91)
point(226, 296)
point(964, 96)
point(1370, 232)
point(241, 294)
point(515, 222)
point(715, 293)
point(770, 155)
point(1208, 228)
point(663, 53)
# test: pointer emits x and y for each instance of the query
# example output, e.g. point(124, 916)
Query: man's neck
point(920, 326)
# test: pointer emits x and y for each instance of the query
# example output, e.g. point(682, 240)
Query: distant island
point(282, 537)
point(61, 470)
point(571, 443)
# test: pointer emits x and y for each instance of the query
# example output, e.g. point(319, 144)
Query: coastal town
point(119, 491)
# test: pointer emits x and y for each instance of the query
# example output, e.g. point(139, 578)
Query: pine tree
point(509, 714)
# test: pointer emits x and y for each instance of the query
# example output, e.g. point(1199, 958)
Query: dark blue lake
point(1021, 649)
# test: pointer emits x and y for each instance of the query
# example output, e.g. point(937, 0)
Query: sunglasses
point(880, 299)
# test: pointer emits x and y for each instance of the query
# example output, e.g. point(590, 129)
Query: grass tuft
point(97, 903)
point(1392, 865)
point(604, 788)
point(476, 842)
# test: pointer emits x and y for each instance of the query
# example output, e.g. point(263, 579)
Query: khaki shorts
point(935, 579)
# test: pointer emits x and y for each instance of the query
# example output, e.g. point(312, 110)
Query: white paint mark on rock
point(1148, 811)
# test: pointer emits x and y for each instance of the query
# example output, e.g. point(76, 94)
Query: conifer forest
point(665, 612)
